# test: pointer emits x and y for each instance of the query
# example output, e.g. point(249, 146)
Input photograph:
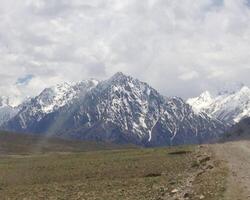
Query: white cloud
point(61, 40)
point(189, 76)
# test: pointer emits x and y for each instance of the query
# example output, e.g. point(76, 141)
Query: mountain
point(239, 131)
point(120, 110)
point(50, 100)
point(8, 109)
point(229, 106)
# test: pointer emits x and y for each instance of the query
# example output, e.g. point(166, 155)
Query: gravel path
point(237, 156)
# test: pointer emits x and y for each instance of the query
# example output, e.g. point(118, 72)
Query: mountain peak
point(245, 89)
point(58, 96)
point(206, 95)
point(6, 101)
point(121, 109)
point(8, 108)
point(120, 76)
point(198, 103)
point(230, 105)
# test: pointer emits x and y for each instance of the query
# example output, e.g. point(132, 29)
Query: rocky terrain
point(237, 159)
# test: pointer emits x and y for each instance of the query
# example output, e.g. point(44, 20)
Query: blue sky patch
point(24, 80)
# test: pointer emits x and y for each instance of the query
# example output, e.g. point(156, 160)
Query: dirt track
point(237, 157)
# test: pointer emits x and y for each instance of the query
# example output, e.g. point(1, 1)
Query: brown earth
point(237, 157)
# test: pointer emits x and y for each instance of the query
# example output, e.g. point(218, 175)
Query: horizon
point(227, 88)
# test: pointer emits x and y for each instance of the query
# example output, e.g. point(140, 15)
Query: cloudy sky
point(180, 47)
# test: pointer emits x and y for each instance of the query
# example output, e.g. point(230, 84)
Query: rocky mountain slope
point(228, 106)
point(7, 109)
point(48, 101)
point(121, 110)
point(239, 131)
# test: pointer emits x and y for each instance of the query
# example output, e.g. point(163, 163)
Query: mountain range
point(122, 110)
point(229, 106)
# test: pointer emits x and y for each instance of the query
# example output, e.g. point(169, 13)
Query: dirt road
point(237, 157)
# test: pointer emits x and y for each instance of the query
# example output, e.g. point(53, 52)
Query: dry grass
point(127, 174)
point(11, 143)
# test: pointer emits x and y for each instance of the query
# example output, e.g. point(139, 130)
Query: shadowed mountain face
point(239, 131)
point(121, 110)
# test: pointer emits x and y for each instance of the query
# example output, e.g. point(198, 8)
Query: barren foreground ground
point(67, 170)
point(237, 157)
point(128, 174)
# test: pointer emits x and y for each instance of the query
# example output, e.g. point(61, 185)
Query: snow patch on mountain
point(198, 103)
point(121, 109)
point(51, 99)
point(229, 106)
point(8, 108)
point(62, 94)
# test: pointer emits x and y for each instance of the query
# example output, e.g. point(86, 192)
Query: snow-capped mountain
point(121, 109)
point(8, 109)
point(229, 106)
point(56, 97)
point(49, 101)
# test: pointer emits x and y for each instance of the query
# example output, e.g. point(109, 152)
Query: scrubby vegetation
point(136, 174)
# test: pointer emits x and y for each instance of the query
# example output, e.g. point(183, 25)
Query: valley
point(159, 173)
point(121, 139)
point(125, 100)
